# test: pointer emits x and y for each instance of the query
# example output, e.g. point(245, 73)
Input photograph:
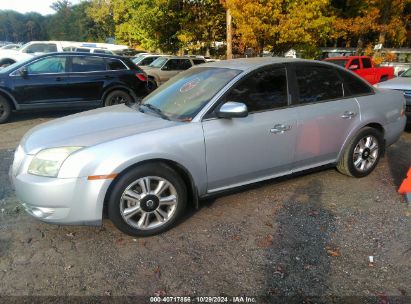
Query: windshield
point(340, 62)
point(158, 63)
point(136, 60)
point(183, 96)
point(407, 73)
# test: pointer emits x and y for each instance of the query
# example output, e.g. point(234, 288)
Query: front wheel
point(5, 110)
point(362, 154)
point(147, 200)
point(117, 97)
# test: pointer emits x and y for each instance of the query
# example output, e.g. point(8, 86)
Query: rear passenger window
point(87, 64)
point(263, 90)
point(317, 83)
point(115, 65)
point(353, 85)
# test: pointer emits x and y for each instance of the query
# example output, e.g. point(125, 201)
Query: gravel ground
point(304, 236)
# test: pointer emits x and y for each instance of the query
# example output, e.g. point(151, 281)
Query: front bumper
point(72, 201)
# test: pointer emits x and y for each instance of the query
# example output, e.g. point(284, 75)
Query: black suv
point(69, 80)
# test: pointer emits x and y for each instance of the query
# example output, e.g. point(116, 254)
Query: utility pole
point(229, 35)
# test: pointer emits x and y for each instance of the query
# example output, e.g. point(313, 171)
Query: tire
point(5, 110)
point(151, 85)
point(117, 97)
point(384, 78)
point(149, 216)
point(362, 154)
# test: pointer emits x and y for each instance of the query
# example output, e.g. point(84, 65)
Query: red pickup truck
point(364, 67)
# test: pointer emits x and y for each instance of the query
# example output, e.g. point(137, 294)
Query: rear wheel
point(151, 85)
point(384, 78)
point(362, 154)
point(147, 200)
point(5, 110)
point(117, 97)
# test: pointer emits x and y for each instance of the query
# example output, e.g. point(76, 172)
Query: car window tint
point(353, 85)
point(115, 64)
point(87, 64)
point(317, 83)
point(198, 61)
point(172, 64)
point(263, 90)
point(41, 48)
point(355, 62)
point(83, 50)
point(184, 64)
point(366, 63)
point(47, 65)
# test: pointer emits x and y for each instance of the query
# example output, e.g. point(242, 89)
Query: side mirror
point(232, 110)
point(353, 67)
point(165, 68)
point(23, 72)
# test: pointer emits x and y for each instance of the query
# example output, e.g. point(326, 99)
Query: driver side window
point(262, 91)
point(48, 65)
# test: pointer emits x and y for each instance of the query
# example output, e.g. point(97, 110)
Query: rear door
point(326, 114)
point(87, 77)
point(45, 83)
point(256, 147)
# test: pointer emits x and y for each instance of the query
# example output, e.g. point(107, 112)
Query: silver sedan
point(211, 128)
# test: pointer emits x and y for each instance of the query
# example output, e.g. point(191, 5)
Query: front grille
point(408, 109)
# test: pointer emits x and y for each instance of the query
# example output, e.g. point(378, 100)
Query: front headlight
point(48, 162)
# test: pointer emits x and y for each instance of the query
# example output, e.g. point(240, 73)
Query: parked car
point(211, 128)
point(364, 67)
point(69, 80)
point(35, 48)
point(146, 59)
point(403, 84)
point(163, 68)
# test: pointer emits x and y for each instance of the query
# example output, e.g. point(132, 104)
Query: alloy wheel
point(366, 153)
point(148, 202)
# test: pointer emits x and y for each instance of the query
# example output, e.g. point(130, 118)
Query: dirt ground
point(303, 236)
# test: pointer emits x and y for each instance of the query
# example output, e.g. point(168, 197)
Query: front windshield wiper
point(155, 110)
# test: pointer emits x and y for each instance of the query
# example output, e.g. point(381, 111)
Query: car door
point(44, 81)
point(368, 72)
point(256, 147)
point(326, 114)
point(87, 77)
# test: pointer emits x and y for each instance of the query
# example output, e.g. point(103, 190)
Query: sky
point(25, 6)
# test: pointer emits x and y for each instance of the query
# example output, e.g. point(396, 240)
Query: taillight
point(142, 76)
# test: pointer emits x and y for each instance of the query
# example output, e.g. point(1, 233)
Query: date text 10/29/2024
point(198, 299)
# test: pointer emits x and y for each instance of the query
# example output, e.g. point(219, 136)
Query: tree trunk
point(229, 36)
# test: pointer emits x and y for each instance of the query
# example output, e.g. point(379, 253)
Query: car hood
point(399, 83)
point(92, 127)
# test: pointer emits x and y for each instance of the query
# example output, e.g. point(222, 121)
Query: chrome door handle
point(279, 129)
point(348, 115)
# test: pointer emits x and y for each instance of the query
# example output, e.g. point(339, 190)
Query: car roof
point(251, 63)
point(81, 54)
